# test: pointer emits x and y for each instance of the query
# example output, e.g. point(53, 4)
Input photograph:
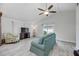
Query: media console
point(24, 33)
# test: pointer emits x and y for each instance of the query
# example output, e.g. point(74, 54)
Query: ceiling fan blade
point(41, 13)
point(50, 7)
point(52, 11)
point(41, 9)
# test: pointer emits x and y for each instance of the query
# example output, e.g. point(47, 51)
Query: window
point(48, 29)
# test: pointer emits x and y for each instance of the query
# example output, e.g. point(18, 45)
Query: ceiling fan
point(46, 11)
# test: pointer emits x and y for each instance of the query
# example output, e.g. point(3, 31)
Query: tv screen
point(24, 29)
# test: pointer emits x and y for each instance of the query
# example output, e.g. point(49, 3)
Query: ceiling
point(28, 11)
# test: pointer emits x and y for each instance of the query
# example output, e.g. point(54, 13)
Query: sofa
point(10, 38)
point(43, 45)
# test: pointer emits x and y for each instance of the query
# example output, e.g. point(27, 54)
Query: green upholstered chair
point(43, 46)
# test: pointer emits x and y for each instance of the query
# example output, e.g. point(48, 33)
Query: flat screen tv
point(24, 29)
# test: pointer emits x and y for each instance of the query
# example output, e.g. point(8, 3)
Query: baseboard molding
point(67, 41)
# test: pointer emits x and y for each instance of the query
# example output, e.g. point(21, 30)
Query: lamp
point(34, 30)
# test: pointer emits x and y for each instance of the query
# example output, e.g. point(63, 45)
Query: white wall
point(64, 25)
point(10, 25)
point(77, 27)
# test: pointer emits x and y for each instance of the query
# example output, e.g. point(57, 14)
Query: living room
point(24, 17)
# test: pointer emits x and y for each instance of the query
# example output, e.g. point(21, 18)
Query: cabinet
point(24, 35)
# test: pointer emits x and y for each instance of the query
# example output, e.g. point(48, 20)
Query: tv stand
point(24, 35)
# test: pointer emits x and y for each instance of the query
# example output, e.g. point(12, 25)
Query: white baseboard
point(67, 41)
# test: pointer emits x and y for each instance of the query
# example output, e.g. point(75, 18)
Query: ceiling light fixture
point(47, 10)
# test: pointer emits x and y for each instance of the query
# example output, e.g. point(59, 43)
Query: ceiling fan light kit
point(46, 11)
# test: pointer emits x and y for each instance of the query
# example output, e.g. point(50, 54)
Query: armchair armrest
point(37, 45)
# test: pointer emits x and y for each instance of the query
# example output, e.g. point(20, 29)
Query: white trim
point(67, 41)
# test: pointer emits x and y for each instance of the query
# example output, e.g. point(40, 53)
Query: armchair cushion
point(41, 40)
point(37, 45)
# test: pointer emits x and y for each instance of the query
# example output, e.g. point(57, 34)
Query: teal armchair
point(43, 46)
